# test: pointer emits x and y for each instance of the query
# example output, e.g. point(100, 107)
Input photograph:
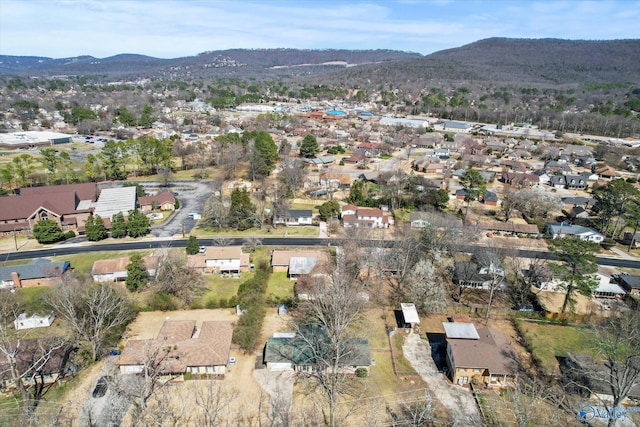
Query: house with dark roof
point(583, 375)
point(479, 355)
point(294, 217)
point(38, 272)
point(43, 361)
point(630, 283)
point(309, 349)
point(181, 347)
point(68, 205)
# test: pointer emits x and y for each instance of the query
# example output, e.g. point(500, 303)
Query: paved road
point(163, 242)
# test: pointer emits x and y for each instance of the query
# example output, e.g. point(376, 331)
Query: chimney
point(16, 280)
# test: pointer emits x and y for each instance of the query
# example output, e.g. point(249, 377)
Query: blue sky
point(172, 28)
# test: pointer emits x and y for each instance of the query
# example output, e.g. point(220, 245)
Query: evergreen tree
point(329, 209)
point(242, 213)
point(137, 224)
point(192, 246)
point(95, 229)
point(309, 146)
point(577, 270)
point(137, 276)
point(264, 153)
point(118, 226)
point(47, 231)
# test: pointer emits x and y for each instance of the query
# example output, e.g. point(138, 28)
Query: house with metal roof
point(115, 200)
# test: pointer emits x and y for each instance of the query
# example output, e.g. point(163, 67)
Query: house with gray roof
point(308, 350)
point(560, 230)
point(38, 272)
point(294, 217)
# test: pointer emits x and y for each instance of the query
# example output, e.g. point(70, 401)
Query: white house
point(115, 270)
point(294, 217)
point(355, 216)
point(33, 321)
point(559, 230)
point(227, 259)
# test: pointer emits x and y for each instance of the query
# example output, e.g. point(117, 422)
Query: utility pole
point(15, 238)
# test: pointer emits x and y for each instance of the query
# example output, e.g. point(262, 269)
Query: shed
point(33, 321)
point(410, 313)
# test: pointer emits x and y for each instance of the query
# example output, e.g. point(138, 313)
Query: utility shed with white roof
point(410, 313)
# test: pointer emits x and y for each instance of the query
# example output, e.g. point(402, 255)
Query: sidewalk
point(619, 253)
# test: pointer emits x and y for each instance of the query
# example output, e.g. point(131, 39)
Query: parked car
point(101, 387)
point(202, 249)
point(526, 308)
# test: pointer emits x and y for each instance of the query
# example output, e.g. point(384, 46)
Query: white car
point(202, 249)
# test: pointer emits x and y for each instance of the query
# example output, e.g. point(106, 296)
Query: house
point(479, 356)
point(180, 348)
point(164, 201)
point(607, 289)
point(607, 172)
point(509, 227)
point(34, 321)
point(453, 126)
point(560, 230)
point(419, 220)
point(471, 275)
point(115, 270)
point(48, 367)
point(520, 179)
point(582, 375)
point(38, 272)
point(296, 263)
point(308, 350)
point(359, 217)
point(575, 182)
point(294, 217)
point(220, 260)
point(321, 160)
point(68, 205)
point(489, 198)
point(630, 283)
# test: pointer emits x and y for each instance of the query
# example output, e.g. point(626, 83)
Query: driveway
point(461, 405)
point(192, 196)
point(109, 409)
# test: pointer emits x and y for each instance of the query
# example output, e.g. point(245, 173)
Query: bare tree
point(293, 175)
point(216, 212)
point(176, 278)
point(616, 340)
point(28, 361)
point(491, 260)
point(96, 312)
point(325, 324)
point(213, 398)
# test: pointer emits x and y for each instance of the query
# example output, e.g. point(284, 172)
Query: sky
point(174, 28)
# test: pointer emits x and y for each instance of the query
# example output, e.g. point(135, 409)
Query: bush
point(187, 376)
point(162, 301)
point(69, 234)
point(361, 372)
point(608, 243)
point(212, 303)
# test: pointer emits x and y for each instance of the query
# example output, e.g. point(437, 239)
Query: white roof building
point(115, 200)
point(460, 330)
point(410, 313)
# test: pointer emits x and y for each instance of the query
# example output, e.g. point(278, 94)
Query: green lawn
point(280, 286)
point(82, 263)
point(549, 341)
point(219, 287)
point(259, 232)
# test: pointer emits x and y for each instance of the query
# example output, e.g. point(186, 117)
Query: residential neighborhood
point(319, 257)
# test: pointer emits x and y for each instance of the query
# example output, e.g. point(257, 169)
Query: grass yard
point(82, 263)
point(219, 287)
point(281, 231)
point(549, 341)
point(280, 286)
